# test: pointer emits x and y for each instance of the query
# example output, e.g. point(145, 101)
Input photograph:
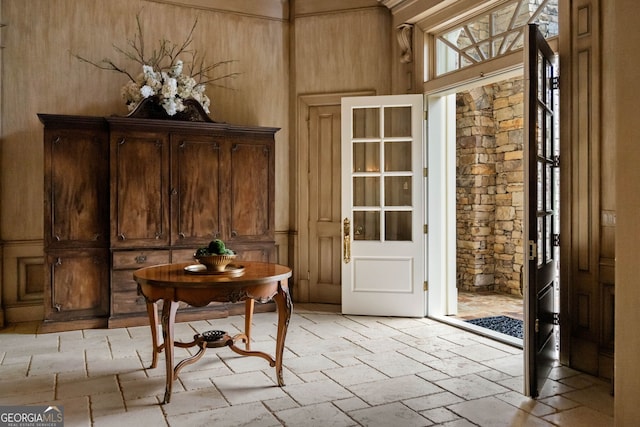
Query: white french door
point(383, 238)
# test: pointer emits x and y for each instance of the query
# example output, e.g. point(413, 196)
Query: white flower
point(169, 106)
point(131, 95)
point(176, 69)
point(169, 86)
point(147, 91)
point(185, 86)
point(149, 72)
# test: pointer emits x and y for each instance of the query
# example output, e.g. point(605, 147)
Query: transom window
point(494, 33)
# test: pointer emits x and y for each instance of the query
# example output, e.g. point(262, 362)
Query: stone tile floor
point(339, 371)
point(473, 305)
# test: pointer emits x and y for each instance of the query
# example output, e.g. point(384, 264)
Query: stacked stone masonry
point(489, 187)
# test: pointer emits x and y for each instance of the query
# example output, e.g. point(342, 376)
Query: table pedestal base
point(224, 340)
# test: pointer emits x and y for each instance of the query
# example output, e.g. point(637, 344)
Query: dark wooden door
point(251, 189)
point(542, 213)
point(76, 184)
point(139, 189)
point(77, 284)
point(196, 180)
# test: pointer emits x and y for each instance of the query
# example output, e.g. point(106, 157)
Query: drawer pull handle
point(140, 259)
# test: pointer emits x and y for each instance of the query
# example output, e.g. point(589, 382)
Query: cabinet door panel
point(196, 179)
point(251, 191)
point(140, 190)
point(76, 183)
point(78, 284)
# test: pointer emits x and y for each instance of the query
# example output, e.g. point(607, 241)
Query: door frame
point(442, 186)
point(299, 156)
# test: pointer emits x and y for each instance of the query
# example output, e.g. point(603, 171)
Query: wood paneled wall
point(622, 62)
point(589, 208)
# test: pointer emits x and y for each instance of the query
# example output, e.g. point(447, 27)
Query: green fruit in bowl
point(202, 252)
point(215, 247)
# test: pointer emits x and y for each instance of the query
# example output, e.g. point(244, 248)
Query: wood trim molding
point(268, 9)
point(314, 7)
point(428, 12)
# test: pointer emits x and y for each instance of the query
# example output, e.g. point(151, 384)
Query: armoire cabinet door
point(251, 189)
point(77, 284)
point(196, 179)
point(76, 186)
point(139, 189)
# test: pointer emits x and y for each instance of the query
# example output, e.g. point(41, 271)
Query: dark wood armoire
point(123, 193)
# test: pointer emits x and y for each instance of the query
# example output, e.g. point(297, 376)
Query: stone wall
point(489, 187)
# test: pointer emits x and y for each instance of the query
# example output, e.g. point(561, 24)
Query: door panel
point(542, 213)
point(196, 207)
point(252, 185)
point(324, 205)
point(139, 165)
point(382, 206)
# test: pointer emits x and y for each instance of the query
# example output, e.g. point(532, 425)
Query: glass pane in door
point(397, 191)
point(397, 156)
point(366, 225)
point(397, 225)
point(366, 191)
point(397, 122)
point(366, 122)
point(366, 157)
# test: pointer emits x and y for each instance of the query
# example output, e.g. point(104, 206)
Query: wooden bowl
point(215, 262)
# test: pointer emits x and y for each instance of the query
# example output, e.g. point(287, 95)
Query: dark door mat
point(503, 324)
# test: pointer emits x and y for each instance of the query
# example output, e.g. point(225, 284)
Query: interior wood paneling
point(591, 277)
point(584, 147)
point(329, 58)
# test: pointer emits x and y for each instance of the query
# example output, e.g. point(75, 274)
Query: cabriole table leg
point(169, 309)
point(285, 307)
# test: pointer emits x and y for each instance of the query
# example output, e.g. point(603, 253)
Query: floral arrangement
point(170, 87)
point(163, 75)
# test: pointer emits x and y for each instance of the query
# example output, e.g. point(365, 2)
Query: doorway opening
point(481, 127)
point(490, 204)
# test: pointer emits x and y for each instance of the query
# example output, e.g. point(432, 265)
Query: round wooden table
point(172, 283)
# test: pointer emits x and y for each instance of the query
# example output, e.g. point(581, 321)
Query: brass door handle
point(346, 240)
